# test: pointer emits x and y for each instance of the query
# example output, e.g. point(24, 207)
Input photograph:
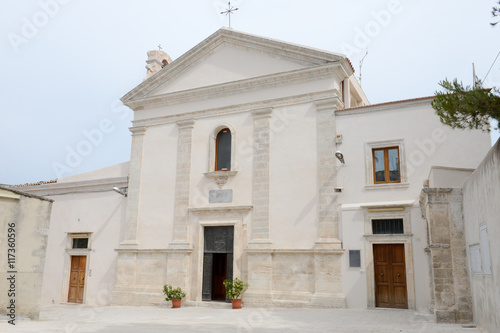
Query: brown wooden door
point(77, 279)
point(390, 276)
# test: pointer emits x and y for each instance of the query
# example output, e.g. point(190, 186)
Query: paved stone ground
point(69, 318)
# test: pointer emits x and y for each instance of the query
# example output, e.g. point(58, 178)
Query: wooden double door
point(390, 276)
point(77, 279)
point(217, 262)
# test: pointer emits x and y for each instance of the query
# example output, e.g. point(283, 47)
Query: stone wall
point(481, 209)
point(451, 299)
point(21, 283)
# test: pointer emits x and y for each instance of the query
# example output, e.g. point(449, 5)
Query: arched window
point(223, 150)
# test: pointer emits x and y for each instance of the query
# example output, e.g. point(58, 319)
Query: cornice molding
point(288, 51)
point(236, 87)
point(137, 130)
point(220, 209)
point(15, 194)
point(86, 186)
point(330, 104)
point(296, 251)
point(186, 123)
point(387, 106)
point(239, 108)
point(262, 113)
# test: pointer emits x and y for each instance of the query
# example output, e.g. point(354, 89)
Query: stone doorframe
point(236, 217)
point(389, 212)
point(67, 273)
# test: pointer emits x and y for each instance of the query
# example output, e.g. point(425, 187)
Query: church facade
point(262, 160)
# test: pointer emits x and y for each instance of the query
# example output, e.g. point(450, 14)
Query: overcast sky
point(64, 64)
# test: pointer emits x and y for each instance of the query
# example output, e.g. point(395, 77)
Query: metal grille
point(387, 226)
point(80, 243)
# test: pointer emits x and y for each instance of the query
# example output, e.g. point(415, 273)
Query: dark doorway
point(390, 276)
point(219, 274)
point(217, 262)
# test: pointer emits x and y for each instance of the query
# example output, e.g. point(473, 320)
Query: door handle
point(382, 274)
point(399, 274)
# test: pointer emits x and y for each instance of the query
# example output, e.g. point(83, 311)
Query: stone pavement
point(72, 318)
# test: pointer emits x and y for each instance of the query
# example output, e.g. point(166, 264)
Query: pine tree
point(462, 106)
point(466, 107)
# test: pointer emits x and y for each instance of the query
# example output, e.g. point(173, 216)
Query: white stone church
point(263, 160)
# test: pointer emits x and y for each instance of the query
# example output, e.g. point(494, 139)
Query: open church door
point(217, 262)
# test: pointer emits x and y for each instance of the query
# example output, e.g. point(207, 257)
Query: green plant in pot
point(174, 294)
point(234, 289)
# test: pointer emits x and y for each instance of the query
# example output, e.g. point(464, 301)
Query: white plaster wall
point(419, 127)
point(241, 183)
point(353, 279)
point(293, 177)
point(441, 177)
point(98, 213)
point(227, 64)
point(420, 259)
point(157, 197)
point(427, 143)
point(481, 196)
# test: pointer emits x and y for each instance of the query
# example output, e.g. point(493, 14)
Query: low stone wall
point(482, 228)
point(451, 298)
point(24, 225)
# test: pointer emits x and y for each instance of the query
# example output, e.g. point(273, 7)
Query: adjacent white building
point(263, 160)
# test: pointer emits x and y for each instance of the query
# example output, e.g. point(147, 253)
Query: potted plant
point(174, 294)
point(234, 289)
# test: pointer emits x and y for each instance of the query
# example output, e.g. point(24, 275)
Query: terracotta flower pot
point(236, 303)
point(176, 303)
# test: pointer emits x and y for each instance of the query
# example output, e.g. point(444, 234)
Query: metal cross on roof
point(229, 11)
point(159, 47)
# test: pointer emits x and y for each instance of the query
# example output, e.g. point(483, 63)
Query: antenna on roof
point(473, 76)
point(361, 65)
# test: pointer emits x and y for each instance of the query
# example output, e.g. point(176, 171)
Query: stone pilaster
point(328, 279)
point(134, 187)
point(451, 298)
point(260, 179)
point(182, 184)
point(259, 247)
point(327, 173)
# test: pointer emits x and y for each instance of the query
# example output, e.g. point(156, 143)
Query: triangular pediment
point(231, 56)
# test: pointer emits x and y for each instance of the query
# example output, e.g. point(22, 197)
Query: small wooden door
point(390, 276)
point(77, 279)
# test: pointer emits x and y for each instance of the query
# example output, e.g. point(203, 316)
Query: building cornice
point(236, 87)
point(209, 210)
point(86, 186)
point(296, 251)
point(239, 108)
point(386, 106)
point(16, 194)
